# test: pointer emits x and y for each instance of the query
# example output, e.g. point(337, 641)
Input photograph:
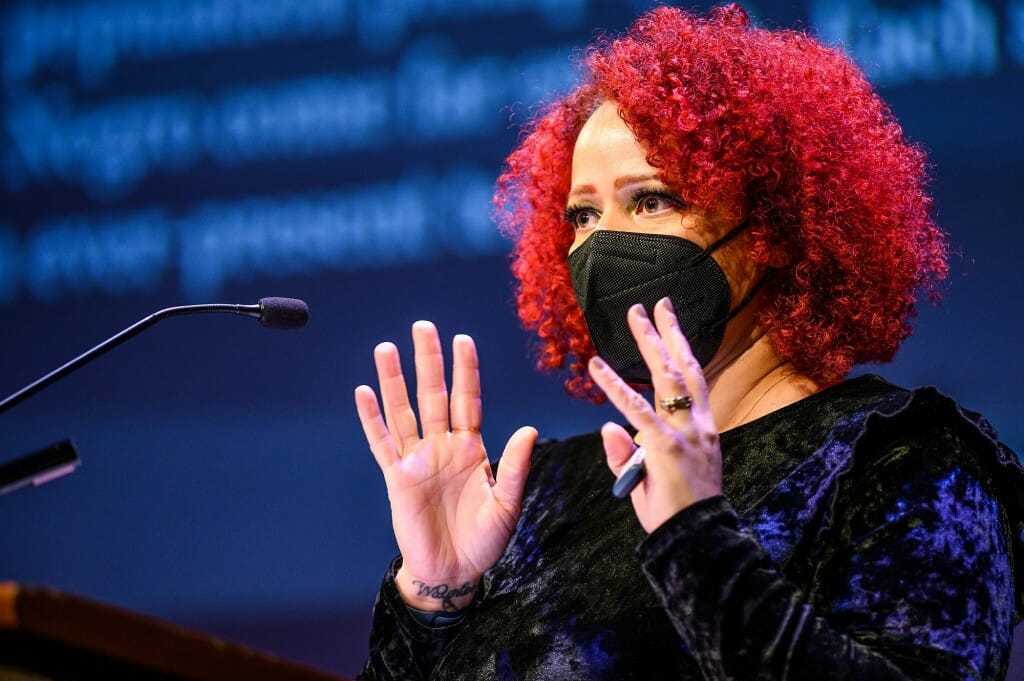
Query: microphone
point(39, 467)
point(273, 313)
point(61, 458)
point(281, 313)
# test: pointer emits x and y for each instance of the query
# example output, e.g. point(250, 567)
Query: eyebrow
point(619, 183)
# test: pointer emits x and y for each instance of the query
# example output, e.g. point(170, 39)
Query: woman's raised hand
point(683, 457)
point(452, 518)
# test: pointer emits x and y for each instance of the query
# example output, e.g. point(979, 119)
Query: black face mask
point(612, 271)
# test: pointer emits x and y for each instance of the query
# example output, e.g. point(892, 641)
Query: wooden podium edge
point(139, 639)
point(8, 605)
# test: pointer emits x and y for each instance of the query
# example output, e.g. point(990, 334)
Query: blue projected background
point(344, 152)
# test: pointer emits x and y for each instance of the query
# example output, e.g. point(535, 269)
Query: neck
point(753, 381)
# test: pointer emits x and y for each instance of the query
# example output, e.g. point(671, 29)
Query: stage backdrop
point(344, 151)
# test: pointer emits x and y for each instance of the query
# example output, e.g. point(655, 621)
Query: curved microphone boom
point(61, 458)
point(274, 313)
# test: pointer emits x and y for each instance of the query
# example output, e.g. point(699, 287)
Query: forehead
point(606, 147)
point(605, 125)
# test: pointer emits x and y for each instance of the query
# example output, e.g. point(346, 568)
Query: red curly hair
point(784, 129)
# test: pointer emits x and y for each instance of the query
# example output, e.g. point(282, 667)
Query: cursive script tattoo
point(444, 593)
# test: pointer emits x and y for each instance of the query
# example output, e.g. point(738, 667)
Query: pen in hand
point(632, 474)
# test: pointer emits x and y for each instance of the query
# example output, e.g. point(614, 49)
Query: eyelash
point(648, 193)
point(573, 212)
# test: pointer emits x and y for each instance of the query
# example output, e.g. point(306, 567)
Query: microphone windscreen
point(283, 313)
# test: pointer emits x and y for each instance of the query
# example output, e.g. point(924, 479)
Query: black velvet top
point(865, 532)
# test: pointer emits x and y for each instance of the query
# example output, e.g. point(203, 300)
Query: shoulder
point(882, 425)
point(553, 451)
point(850, 403)
point(934, 427)
point(583, 445)
point(876, 418)
point(930, 452)
point(582, 455)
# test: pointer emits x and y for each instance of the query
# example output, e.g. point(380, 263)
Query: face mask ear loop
point(706, 253)
point(742, 304)
point(729, 236)
point(732, 234)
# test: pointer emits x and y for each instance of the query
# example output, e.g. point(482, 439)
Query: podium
point(47, 635)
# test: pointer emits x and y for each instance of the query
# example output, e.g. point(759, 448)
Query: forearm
point(741, 618)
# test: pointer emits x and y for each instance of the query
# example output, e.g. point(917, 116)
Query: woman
point(732, 217)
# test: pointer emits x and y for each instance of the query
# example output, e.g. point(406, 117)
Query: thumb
point(618, 446)
point(514, 467)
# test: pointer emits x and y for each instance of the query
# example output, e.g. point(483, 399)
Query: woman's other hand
point(452, 519)
point(683, 458)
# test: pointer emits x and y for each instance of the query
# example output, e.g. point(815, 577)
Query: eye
point(581, 217)
point(654, 201)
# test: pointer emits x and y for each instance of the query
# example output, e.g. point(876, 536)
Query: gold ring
point(471, 429)
point(671, 404)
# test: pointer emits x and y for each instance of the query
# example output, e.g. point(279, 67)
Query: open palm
point(452, 518)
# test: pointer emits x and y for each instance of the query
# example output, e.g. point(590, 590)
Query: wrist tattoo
point(444, 593)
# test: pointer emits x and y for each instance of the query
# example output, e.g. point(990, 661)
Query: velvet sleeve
point(401, 648)
point(911, 577)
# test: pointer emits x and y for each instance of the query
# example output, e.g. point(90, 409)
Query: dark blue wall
point(162, 152)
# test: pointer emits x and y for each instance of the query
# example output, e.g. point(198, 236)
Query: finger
point(629, 402)
point(667, 379)
point(514, 467)
point(401, 419)
point(377, 435)
point(679, 350)
point(431, 391)
point(466, 407)
point(618, 446)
